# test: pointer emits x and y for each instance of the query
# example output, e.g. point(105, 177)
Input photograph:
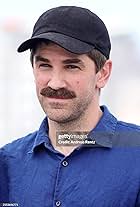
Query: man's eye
point(72, 67)
point(44, 65)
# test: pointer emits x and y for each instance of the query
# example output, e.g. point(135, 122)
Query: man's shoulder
point(127, 134)
point(121, 125)
point(21, 144)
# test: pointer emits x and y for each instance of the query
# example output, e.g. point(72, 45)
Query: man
point(81, 156)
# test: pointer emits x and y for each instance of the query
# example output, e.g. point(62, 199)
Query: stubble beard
point(69, 113)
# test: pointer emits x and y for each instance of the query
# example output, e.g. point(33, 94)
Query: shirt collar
point(102, 134)
point(105, 129)
point(42, 135)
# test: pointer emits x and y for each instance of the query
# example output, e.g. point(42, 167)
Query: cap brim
point(69, 43)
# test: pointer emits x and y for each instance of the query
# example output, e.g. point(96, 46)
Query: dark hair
point(98, 58)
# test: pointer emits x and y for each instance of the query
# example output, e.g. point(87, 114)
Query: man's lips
point(58, 97)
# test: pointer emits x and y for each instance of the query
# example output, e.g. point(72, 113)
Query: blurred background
point(20, 112)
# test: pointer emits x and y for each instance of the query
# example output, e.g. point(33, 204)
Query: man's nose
point(57, 81)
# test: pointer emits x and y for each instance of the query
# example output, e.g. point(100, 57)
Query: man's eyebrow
point(42, 59)
point(67, 61)
point(73, 60)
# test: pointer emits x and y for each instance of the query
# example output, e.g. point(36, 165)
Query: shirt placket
point(62, 165)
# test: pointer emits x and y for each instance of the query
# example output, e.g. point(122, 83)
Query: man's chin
point(59, 117)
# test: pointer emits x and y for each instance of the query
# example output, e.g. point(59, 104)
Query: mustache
point(60, 93)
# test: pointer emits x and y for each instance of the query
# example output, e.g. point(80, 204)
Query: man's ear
point(104, 74)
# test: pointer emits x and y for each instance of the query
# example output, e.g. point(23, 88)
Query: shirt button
point(58, 203)
point(64, 163)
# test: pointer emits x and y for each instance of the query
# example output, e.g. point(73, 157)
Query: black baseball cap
point(76, 29)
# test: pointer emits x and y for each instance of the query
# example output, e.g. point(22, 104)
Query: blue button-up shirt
point(106, 174)
point(3, 181)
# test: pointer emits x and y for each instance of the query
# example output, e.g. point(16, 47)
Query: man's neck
point(84, 123)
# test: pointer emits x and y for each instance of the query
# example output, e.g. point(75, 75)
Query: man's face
point(66, 83)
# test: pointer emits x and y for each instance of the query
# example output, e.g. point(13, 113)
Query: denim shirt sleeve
point(4, 197)
point(138, 200)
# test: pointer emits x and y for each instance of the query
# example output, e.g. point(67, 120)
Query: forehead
point(56, 54)
point(52, 48)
